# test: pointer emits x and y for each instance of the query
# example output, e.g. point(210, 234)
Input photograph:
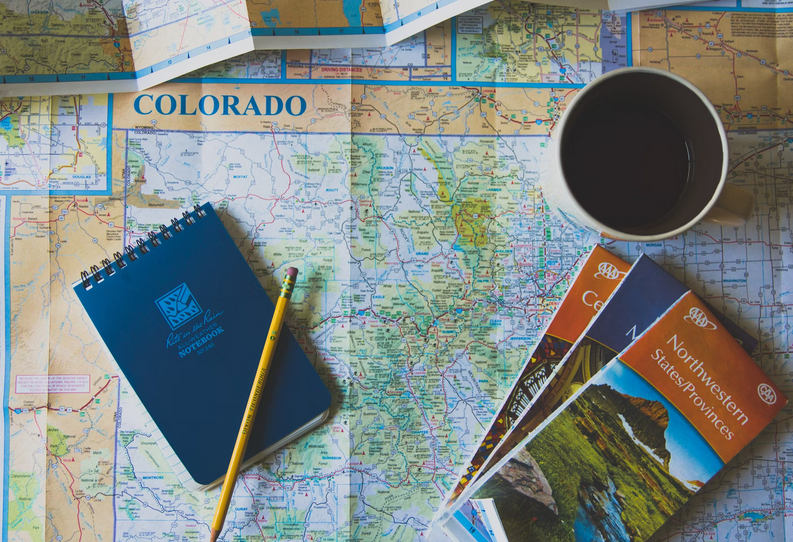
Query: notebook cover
point(627, 450)
point(186, 323)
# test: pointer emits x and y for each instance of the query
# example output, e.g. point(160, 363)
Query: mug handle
point(733, 208)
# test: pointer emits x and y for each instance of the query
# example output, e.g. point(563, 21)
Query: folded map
point(128, 45)
point(70, 47)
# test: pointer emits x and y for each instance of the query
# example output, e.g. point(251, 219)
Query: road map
point(113, 45)
point(406, 189)
point(508, 42)
point(78, 46)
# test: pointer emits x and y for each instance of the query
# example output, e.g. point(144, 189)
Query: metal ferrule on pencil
point(286, 287)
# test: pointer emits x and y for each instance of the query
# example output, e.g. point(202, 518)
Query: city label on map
point(470, 25)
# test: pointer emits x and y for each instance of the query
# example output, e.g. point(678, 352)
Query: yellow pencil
point(253, 402)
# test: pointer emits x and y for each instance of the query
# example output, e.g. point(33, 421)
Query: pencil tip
point(214, 535)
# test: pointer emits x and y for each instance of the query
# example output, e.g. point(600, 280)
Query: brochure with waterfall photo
point(598, 278)
point(635, 442)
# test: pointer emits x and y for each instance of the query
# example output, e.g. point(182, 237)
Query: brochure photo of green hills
point(612, 466)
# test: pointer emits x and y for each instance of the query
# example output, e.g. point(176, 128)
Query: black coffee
point(626, 163)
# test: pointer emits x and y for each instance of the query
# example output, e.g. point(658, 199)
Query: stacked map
point(71, 46)
point(75, 46)
point(404, 183)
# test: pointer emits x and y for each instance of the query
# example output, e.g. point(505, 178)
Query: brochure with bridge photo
point(633, 444)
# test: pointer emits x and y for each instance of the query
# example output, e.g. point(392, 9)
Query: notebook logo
point(178, 306)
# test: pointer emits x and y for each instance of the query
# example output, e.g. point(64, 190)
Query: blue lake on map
point(271, 18)
point(352, 10)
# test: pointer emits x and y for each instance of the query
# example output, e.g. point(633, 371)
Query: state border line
point(453, 59)
point(629, 39)
point(296, 133)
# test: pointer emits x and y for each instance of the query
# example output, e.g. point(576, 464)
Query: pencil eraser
point(292, 272)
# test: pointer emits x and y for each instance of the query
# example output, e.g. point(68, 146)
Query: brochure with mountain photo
point(600, 275)
point(632, 445)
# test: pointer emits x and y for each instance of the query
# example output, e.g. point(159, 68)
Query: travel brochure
point(628, 448)
point(523, 468)
point(600, 275)
point(644, 295)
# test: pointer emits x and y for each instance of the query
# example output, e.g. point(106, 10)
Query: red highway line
point(48, 407)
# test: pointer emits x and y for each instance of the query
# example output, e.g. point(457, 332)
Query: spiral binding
point(155, 240)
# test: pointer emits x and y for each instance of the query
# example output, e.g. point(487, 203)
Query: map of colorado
point(430, 263)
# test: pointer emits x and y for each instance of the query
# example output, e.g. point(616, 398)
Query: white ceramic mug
point(705, 197)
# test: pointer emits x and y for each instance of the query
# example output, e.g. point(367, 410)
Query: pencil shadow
point(239, 232)
point(299, 326)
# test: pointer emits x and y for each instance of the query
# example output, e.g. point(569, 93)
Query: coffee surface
point(626, 163)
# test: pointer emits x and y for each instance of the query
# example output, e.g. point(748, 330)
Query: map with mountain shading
point(412, 201)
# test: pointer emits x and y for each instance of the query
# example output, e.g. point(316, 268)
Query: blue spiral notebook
point(186, 319)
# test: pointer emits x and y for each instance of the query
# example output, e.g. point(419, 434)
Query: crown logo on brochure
point(178, 306)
